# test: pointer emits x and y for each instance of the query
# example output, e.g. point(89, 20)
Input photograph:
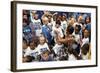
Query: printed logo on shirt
point(37, 26)
point(43, 50)
point(34, 54)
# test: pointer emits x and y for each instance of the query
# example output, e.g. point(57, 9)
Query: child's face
point(45, 20)
point(45, 56)
point(42, 40)
point(80, 18)
point(87, 20)
point(72, 21)
point(32, 45)
point(49, 18)
point(36, 17)
point(86, 33)
point(70, 39)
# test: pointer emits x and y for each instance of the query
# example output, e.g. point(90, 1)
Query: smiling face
point(42, 40)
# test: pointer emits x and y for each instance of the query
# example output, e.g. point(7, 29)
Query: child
point(88, 25)
point(25, 46)
point(72, 54)
point(31, 51)
point(85, 51)
point(85, 40)
point(34, 18)
point(36, 24)
point(46, 30)
point(27, 59)
point(64, 24)
point(42, 46)
point(57, 31)
point(27, 32)
point(76, 33)
point(45, 56)
point(43, 49)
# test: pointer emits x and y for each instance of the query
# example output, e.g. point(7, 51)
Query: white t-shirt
point(77, 37)
point(59, 30)
point(31, 52)
point(57, 48)
point(50, 25)
point(38, 21)
point(64, 26)
point(71, 57)
point(26, 52)
point(37, 25)
point(85, 41)
point(41, 48)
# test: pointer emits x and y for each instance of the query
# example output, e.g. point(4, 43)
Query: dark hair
point(70, 29)
point(86, 18)
point(58, 22)
point(85, 48)
point(79, 27)
point(29, 58)
point(74, 52)
point(26, 20)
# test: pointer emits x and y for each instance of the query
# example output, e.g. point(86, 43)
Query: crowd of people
point(56, 36)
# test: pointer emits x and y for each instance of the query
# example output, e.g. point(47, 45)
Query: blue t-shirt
point(47, 33)
point(88, 27)
point(27, 32)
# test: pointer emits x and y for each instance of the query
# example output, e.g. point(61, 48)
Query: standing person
point(46, 30)
point(64, 24)
point(57, 31)
point(42, 46)
point(44, 50)
point(85, 40)
point(35, 23)
point(88, 25)
point(27, 31)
